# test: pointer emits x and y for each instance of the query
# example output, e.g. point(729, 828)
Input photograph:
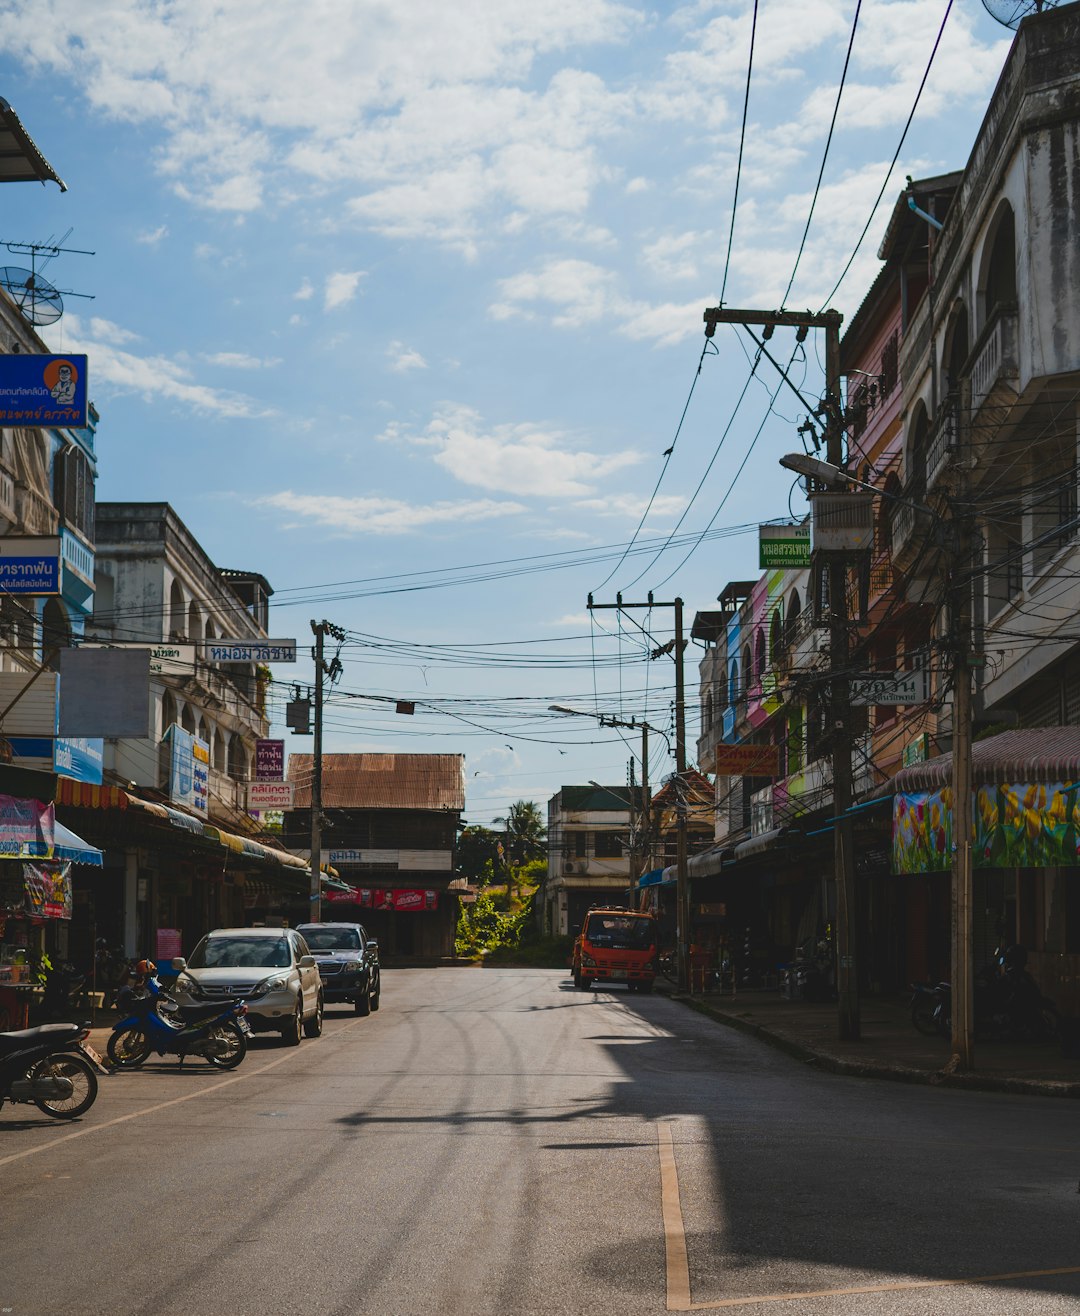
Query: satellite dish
point(1011, 12)
point(35, 297)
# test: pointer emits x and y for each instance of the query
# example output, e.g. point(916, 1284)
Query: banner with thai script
point(48, 890)
point(1016, 825)
point(189, 769)
point(249, 651)
point(29, 564)
point(38, 391)
point(26, 828)
point(269, 760)
point(398, 900)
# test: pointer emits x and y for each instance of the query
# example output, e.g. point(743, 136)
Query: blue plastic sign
point(42, 391)
point(29, 564)
point(189, 769)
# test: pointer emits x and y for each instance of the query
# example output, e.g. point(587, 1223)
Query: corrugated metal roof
point(1031, 754)
point(383, 781)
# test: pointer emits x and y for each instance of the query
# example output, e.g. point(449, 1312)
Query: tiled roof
point(383, 781)
point(1031, 754)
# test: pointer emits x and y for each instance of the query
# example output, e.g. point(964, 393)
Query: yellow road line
point(901, 1287)
point(161, 1105)
point(676, 1263)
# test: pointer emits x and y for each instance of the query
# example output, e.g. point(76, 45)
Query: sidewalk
point(889, 1047)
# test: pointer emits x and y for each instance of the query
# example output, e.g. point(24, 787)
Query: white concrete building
point(588, 853)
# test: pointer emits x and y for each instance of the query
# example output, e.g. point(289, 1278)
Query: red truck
point(616, 945)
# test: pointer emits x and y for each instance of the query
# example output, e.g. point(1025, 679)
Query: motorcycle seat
point(42, 1033)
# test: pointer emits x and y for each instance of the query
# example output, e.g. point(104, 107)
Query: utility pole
point(847, 982)
point(333, 670)
point(682, 884)
point(963, 968)
point(316, 780)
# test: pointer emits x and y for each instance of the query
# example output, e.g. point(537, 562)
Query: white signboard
point(165, 659)
point(889, 688)
point(270, 794)
point(249, 651)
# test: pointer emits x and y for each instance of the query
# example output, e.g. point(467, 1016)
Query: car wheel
point(376, 1000)
point(293, 1031)
point(313, 1027)
point(584, 983)
point(362, 1004)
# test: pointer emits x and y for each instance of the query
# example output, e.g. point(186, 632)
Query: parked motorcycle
point(52, 1067)
point(62, 985)
point(1008, 1003)
point(153, 1022)
point(929, 1005)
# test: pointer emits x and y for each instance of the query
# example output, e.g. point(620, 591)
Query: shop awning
point(758, 845)
point(66, 845)
point(710, 862)
point(1033, 754)
point(653, 878)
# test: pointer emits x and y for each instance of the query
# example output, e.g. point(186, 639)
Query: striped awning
point(1033, 754)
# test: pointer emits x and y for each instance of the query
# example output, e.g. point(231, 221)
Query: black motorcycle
point(1009, 1007)
point(929, 1007)
point(51, 1067)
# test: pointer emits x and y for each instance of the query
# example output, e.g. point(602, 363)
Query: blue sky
point(382, 290)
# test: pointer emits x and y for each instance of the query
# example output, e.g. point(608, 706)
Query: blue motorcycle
point(154, 1023)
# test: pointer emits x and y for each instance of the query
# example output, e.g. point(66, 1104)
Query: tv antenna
point(1012, 12)
point(36, 298)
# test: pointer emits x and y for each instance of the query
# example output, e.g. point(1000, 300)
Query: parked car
point(348, 961)
point(270, 968)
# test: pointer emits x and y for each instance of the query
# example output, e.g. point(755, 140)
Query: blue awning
point(66, 845)
point(651, 879)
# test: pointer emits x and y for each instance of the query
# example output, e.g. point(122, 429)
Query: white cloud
point(341, 288)
point(154, 377)
point(637, 185)
point(241, 361)
point(518, 459)
point(305, 292)
point(403, 359)
point(153, 236)
point(678, 255)
point(381, 516)
point(665, 506)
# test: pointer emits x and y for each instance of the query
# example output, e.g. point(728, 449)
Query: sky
point(382, 295)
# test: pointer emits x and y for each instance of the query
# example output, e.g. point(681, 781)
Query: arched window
point(917, 451)
point(217, 749)
point(733, 682)
point(210, 629)
point(708, 711)
point(237, 759)
point(759, 653)
point(1000, 280)
point(187, 719)
point(957, 351)
point(776, 635)
point(194, 621)
point(176, 611)
point(747, 667)
point(204, 730)
point(794, 611)
point(168, 711)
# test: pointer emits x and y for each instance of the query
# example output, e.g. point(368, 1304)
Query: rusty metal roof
point(1039, 754)
point(383, 781)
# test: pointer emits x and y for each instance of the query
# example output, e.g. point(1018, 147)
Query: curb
point(1029, 1087)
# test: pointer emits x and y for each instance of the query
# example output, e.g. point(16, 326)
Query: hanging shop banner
point(48, 890)
point(249, 651)
point(397, 900)
point(747, 760)
point(189, 769)
point(270, 760)
point(26, 828)
point(889, 688)
point(270, 794)
point(43, 391)
point(29, 564)
point(1021, 825)
point(783, 546)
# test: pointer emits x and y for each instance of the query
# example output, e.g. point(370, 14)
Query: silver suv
point(270, 968)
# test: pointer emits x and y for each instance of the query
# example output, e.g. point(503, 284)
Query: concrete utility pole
point(682, 884)
point(963, 968)
point(847, 982)
point(316, 779)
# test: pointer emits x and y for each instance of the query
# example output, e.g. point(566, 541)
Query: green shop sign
point(783, 546)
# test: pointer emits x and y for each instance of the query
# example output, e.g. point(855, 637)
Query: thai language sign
point(26, 828)
point(269, 760)
point(889, 688)
point(189, 769)
point(38, 390)
point(270, 794)
point(249, 651)
point(48, 890)
point(1016, 825)
point(783, 546)
point(747, 760)
point(29, 564)
point(399, 900)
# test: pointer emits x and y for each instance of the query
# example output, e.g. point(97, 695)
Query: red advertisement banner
point(400, 900)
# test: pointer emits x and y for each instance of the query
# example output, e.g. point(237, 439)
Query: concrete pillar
point(131, 891)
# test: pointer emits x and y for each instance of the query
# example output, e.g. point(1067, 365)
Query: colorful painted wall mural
point(1017, 825)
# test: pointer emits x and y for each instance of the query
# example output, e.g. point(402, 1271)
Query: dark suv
point(348, 961)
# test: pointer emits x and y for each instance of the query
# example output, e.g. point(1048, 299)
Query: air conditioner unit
point(569, 868)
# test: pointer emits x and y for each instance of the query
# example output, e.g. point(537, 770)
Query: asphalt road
point(496, 1142)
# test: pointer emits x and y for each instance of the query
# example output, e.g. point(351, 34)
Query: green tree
point(478, 855)
point(525, 832)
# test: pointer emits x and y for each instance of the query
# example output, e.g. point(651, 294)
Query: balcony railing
point(996, 357)
point(944, 439)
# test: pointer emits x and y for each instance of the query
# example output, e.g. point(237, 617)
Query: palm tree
point(524, 828)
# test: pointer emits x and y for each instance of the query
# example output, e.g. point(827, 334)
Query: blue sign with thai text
point(43, 391)
point(30, 564)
